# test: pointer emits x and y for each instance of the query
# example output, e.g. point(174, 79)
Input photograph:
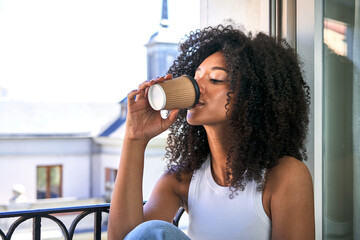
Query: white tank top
point(213, 215)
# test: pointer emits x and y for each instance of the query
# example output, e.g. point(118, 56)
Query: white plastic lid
point(157, 97)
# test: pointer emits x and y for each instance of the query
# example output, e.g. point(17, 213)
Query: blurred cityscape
point(64, 154)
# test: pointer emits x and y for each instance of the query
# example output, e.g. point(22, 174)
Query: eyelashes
point(216, 81)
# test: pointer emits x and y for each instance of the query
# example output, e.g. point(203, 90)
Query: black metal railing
point(52, 213)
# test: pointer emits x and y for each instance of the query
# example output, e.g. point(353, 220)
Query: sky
point(81, 50)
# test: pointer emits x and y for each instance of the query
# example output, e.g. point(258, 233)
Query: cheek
point(221, 98)
point(221, 104)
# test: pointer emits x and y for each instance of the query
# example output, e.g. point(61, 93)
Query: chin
point(191, 119)
point(192, 122)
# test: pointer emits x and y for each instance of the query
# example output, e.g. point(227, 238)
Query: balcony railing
point(39, 214)
point(68, 233)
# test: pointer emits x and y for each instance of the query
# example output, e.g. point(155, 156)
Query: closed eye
point(216, 81)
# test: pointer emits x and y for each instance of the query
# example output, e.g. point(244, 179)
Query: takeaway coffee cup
point(182, 92)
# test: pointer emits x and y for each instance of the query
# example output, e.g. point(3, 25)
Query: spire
point(164, 15)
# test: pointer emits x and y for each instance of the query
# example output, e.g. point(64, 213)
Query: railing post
point(37, 228)
point(97, 225)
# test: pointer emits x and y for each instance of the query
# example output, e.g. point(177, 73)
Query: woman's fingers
point(141, 94)
point(168, 77)
point(143, 88)
point(149, 83)
point(132, 96)
point(162, 79)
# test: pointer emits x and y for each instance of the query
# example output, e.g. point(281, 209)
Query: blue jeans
point(156, 230)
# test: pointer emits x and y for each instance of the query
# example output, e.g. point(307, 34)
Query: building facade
point(65, 152)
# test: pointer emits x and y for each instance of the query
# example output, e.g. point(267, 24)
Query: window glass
point(41, 182)
point(341, 53)
point(55, 182)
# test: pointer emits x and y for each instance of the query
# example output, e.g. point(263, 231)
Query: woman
point(235, 159)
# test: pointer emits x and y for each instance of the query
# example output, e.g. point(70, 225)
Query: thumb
point(172, 117)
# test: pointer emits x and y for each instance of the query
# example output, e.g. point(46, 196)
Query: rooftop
point(29, 119)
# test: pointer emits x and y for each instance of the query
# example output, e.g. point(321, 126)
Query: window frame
point(48, 180)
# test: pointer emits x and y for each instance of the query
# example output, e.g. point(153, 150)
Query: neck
point(219, 145)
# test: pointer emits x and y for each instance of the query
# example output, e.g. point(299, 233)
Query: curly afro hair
point(269, 117)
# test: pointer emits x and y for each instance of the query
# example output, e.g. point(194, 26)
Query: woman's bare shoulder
point(171, 177)
point(287, 173)
point(290, 190)
point(179, 184)
point(168, 195)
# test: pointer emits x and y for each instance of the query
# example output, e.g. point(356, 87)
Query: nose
point(200, 81)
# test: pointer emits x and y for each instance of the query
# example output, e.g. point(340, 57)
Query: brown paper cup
point(182, 92)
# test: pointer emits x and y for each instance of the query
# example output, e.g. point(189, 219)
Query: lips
point(199, 104)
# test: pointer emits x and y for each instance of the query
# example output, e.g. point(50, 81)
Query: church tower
point(162, 48)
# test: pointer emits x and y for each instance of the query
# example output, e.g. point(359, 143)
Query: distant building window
point(110, 176)
point(49, 181)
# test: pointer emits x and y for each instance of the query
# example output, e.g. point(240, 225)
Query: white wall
point(22, 170)
point(252, 14)
point(18, 165)
point(154, 165)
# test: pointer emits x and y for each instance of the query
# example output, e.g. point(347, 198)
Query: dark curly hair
point(269, 117)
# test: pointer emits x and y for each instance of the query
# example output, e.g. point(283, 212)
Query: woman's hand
point(143, 122)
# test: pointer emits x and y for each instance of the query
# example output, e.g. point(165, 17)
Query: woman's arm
point(142, 124)
point(126, 203)
point(292, 200)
